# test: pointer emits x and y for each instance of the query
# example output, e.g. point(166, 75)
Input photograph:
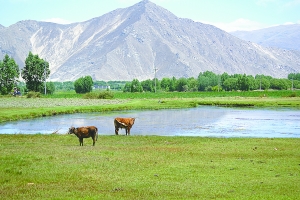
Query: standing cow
point(125, 123)
point(85, 132)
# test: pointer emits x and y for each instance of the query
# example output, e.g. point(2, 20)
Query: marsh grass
point(148, 167)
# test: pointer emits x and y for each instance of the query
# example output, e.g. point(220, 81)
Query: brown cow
point(85, 132)
point(126, 123)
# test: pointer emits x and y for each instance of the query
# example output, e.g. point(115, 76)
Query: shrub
point(83, 85)
point(32, 94)
point(99, 95)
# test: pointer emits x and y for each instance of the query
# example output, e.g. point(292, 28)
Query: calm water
point(200, 121)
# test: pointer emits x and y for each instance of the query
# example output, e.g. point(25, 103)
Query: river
point(204, 121)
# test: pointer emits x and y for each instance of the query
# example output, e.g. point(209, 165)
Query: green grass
point(129, 95)
point(148, 167)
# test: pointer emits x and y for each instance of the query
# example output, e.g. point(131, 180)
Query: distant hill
point(284, 37)
point(129, 43)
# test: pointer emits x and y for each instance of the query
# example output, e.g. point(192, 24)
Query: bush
point(83, 85)
point(99, 95)
point(32, 94)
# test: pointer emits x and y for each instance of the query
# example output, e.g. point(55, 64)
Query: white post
point(155, 69)
point(45, 76)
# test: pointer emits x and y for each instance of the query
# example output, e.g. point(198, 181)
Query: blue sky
point(229, 15)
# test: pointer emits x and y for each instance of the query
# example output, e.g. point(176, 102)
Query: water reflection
point(201, 121)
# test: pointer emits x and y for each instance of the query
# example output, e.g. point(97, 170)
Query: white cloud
point(58, 21)
point(238, 25)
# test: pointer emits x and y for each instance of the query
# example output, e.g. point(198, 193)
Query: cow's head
point(132, 121)
point(71, 130)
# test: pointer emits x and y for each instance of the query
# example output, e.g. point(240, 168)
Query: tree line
point(209, 81)
point(36, 71)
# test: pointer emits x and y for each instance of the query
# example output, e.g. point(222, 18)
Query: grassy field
point(148, 167)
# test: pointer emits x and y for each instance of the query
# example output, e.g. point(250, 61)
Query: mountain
point(130, 43)
point(284, 36)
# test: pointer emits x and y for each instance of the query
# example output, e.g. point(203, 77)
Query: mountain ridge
point(283, 36)
point(130, 43)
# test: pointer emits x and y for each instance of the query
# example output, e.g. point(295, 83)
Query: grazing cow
point(126, 123)
point(85, 132)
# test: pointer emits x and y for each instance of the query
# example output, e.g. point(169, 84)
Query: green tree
point(136, 86)
point(203, 82)
point(9, 73)
point(262, 82)
point(173, 84)
point(83, 84)
point(35, 72)
point(147, 85)
point(50, 88)
point(294, 76)
point(279, 84)
point(243, 83)
point(207, 80)
point(182, 85)
point(165, 84)
point(192, 84)
point(224, 77)
point(127, 87)
point(230, 84)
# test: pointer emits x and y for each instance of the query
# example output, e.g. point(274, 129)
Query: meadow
point(148, 167)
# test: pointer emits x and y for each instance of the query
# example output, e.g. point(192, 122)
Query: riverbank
point(25, 108)
point(148, 167)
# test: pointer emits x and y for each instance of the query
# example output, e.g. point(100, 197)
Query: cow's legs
point(117, 131)
point(80, 141)
point(93, 140)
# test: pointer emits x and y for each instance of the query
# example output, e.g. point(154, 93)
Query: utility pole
point(45, 76)
point(155, 69)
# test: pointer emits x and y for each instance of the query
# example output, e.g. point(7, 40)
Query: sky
point(229, 15)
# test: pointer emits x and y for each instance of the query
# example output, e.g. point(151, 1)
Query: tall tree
point(35, 72)
point(9, 73)
point(83, 84)
point(243, 83)
point(136, 86)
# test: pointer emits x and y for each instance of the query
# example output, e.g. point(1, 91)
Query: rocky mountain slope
point(284, 36)
point(129, 43)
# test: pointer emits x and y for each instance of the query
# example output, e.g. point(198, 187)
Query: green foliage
point(168, 84)
point(243, 83)
point(65, 86)
point(230, 84)
point(127, 87)
point(99, 95)
point(9, 72)
point(182, 85)
point(136, 86)
point(279, 84)
point(50, 88)
point(83, 84)
point(192, 84)
point(35, 72)
point(294, 76)
point(148, 86)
